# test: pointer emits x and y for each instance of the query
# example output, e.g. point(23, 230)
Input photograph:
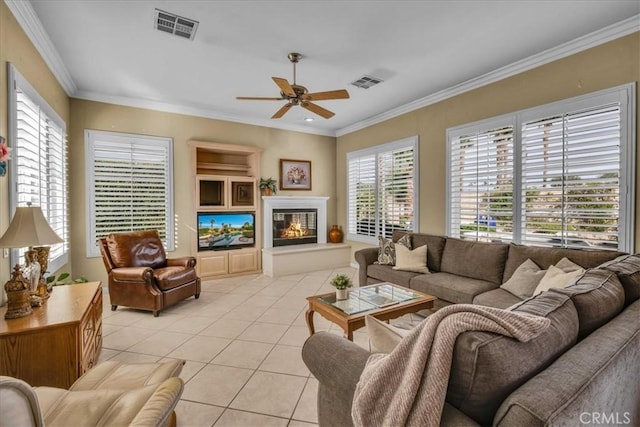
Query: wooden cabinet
point(59, 342)
point(226, 180)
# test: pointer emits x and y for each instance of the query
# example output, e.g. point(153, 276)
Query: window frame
point(90, 135)
point(624, 94)
point(405, 143)
point(16, 80)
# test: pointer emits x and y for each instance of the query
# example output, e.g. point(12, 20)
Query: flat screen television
point(225, 230)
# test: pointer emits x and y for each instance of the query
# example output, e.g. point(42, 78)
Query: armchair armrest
point(365, 257)
point(132, 274)
point(185, 261)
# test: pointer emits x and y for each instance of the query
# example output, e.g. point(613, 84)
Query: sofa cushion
point(484, 370)
point(170, 277)
point(544, 257)
point(384, 273)
point(627, 267)
point(598, 297)
point(477, 260)
point(411, 260)
point(449, 287)
point(498, 298)
point(136, 249)
point(524, 280)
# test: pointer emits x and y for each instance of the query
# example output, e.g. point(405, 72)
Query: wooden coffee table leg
point(309, 317)
point(349, 335)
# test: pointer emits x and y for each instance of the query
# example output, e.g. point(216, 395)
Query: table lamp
point(28, 228)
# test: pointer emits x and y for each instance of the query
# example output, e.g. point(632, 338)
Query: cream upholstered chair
point(112, 393)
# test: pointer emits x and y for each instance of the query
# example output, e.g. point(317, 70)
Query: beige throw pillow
point(556, 278)
point(383, 337)
point(524, 280)
point(566, 265)
point(411, 260)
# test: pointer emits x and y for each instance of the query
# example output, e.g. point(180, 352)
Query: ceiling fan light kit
point(296, 94)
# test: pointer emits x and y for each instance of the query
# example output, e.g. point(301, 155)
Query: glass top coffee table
point(383, 301)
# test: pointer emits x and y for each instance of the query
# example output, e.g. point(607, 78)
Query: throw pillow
point(556, 278)
point(411, 260)
point(524, 280)
point(387, 251)
point(566, 265)
point(383, 337)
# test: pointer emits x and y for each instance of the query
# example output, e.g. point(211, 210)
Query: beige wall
point(601, 67)
point(276, 144)
point(15, 47)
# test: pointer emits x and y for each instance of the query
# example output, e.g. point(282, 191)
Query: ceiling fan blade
point(332, 94)
point(284, 85)
point(281, 112)
point(317, 109)
point(258, 98)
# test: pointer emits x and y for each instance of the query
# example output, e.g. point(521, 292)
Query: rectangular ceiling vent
point(365, 82)
point(176, 25)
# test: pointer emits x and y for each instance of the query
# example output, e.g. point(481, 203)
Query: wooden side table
point(59, 342)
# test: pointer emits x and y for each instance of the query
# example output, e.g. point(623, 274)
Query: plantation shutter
point(131, 186)
point(39, 157)
point(395, 170)
point(362, 195)
point(481, 185)
point(571, 179)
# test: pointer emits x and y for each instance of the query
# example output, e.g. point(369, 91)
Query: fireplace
point(294, 226)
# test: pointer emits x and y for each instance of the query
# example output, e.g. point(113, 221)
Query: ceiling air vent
point(365, 82)
point(174, 24)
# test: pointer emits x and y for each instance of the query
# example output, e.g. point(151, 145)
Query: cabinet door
point(212, 264)
point(240, 262)
point(211, 192)
point(243, 193)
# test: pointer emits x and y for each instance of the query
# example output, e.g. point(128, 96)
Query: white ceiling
point(109, 51)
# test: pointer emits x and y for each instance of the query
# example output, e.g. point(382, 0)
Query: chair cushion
point(136, 249)
point(172, 277)
point(476, 260)
point(487, 367)
point(124, 376)
point(449, 287)
point(627, 267)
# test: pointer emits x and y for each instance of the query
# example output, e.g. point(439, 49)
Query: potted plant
point(268, 186)
point(341, 282)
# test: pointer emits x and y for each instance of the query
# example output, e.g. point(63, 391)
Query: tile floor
point(242, 344)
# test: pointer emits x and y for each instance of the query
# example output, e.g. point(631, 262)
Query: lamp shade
point(28, 228)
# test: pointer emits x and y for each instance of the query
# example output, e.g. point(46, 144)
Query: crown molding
point(580, 44)
point(195, 112)
point(30, 23)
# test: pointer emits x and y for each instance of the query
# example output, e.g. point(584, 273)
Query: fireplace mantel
point(293, 202)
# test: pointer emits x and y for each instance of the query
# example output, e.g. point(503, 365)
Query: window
point(565, 178)
point(39, 158)
point(382, 190)
point(130, 186)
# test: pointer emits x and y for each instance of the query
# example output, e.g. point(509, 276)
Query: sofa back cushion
point(544, 257)
point(598, 297)
point(627, 267)
point(137, 249)
point(435, 246)
point(477, 260)
point(487, 367)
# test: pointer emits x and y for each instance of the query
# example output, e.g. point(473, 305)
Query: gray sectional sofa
point(583, 370)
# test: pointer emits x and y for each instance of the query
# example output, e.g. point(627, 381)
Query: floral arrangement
point(295, 175)
point(4, 156)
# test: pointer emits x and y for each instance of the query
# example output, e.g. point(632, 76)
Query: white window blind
point(39, 160)
point(131, 186)
point(565, 178)
point(382, 190)
point(481, 185)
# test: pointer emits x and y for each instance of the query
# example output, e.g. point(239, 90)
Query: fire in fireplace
point(295, 226)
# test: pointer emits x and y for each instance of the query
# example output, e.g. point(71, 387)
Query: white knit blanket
point(409, 385)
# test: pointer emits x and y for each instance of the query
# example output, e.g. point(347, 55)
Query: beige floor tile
point(126, 337)
point(128, 357)
point(190, 324)
point(245, 313)
point(283, 316)
point(271, 394)
point(106, 354)
point(247, 288)
point(127, 317)
point(213, 310)
point(243, 354)
point(233, 299)
point(276, 289)
point(161, 343)
point(189, 369)
point(295, 423)
point(108, 329)
point(295, 335)
point(290, 302)
point(264, 332)
point(192, 414)
point(285, 360)
point(200, 348)
point(234, 418)
point(160, 323)
point(216, 384)
point(307, 409)
point(226, 328)
point(260, 301)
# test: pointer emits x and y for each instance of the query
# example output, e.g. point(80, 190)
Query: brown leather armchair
point(141, 276)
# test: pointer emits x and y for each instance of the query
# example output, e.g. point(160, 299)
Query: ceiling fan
point(296, 94)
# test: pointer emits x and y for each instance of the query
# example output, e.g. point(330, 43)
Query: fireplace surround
point(294, 203)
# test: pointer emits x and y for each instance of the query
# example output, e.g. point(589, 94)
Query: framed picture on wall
point(295, 174)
